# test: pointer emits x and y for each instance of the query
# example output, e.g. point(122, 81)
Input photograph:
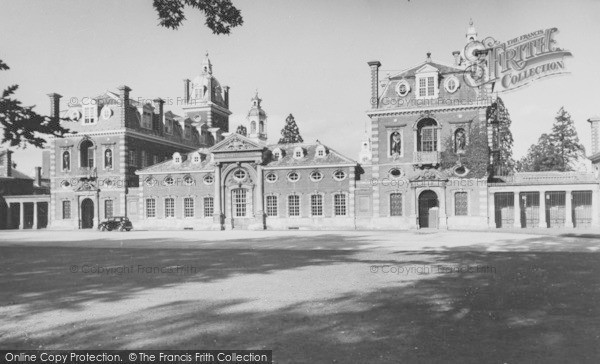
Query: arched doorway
point(428, 209)
point(87, 214)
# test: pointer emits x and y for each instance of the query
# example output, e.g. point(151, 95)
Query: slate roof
point(186, 165)
point(411, 72)
point(310, 158)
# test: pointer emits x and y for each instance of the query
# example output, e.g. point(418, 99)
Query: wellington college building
point(189, 171)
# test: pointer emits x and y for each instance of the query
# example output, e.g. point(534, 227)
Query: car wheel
point(121, 228)
point(103, 228)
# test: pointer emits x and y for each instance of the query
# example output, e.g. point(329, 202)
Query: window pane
point(239, 201)
point(66, 205)
point(208, 207)
point(150, 207)
point(271, 205)
point(188, 207)
point(340, 204)
point(294, 205)
point(169, 207)
point(460, 204)
point(108, 209)
point(396, 204)
point(316, 205)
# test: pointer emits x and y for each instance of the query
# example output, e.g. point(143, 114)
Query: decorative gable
point(236, 142)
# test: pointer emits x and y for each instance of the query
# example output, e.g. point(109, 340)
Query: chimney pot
point(186, 90)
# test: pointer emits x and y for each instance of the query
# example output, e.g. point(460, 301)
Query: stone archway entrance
point(428, 209)
point(87, 214)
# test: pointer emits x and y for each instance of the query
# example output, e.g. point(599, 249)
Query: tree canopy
point(556, 151)
point(21, 126)
point(290, 132)
point(242, 130)
point(474, 157)
point(497, 114)
point(221, 15)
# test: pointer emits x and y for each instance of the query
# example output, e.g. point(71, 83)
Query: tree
point(565, 141)
point(497, 114)
point(475, 156)
point(539, 157)
point(556, 151)
point(242, 130)
point(221, 15)
point(290, 132)
point(21, 125)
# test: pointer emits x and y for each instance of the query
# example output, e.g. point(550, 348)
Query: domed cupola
point(258, 119)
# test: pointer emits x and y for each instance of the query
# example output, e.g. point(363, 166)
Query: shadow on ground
point(511, 307)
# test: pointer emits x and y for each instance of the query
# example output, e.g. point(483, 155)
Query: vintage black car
point(120, 223)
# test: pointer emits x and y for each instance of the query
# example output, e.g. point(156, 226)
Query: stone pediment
point(427, 69)
point(86, 185)
point(428, 175)
point(236, 143)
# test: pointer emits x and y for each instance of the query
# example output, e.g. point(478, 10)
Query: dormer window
point(196, 158)
point(89, 114)
point(427, 82)
point(146, 120)
point(321, 151)
point(298, 153)
point(277, 154)
point(176, 158)
point(168, 125)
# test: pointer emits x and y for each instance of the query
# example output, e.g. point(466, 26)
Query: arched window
point(86, 154)
point(460, 140)
point(261, 127)
point(427, 135)
point(66, 160)
point(396, 143)
point(252, 127)
point(108, 159)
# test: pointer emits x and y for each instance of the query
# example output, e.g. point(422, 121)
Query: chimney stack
point(226, 96)
point(186, 90)
point(54, 105)
point(374, 83)
point(159, 107)
point(595, 124)
point(456, 55)
point(38, 176)
point(124, 101)
point(7, 164)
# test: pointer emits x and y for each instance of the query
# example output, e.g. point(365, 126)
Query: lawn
point(311, 297)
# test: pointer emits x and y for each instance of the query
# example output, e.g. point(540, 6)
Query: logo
point(515, 63)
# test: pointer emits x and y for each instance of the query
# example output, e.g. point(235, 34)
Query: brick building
point(427, 162)
point(93, 169)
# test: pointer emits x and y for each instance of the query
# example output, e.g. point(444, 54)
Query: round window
point(239, 175)
point(293, 176)
point(339, 175)
point(208, 179)
point(169, 181)
point(65, 184)
point(451, 84)
point(402, 88)
point(316, 176)
point(150, 181)
point(106, 112)
point(396, 173)
point(460, 171)
point(271, 177)
point(188, 180)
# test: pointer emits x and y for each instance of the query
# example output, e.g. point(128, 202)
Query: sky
point(307, 58)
